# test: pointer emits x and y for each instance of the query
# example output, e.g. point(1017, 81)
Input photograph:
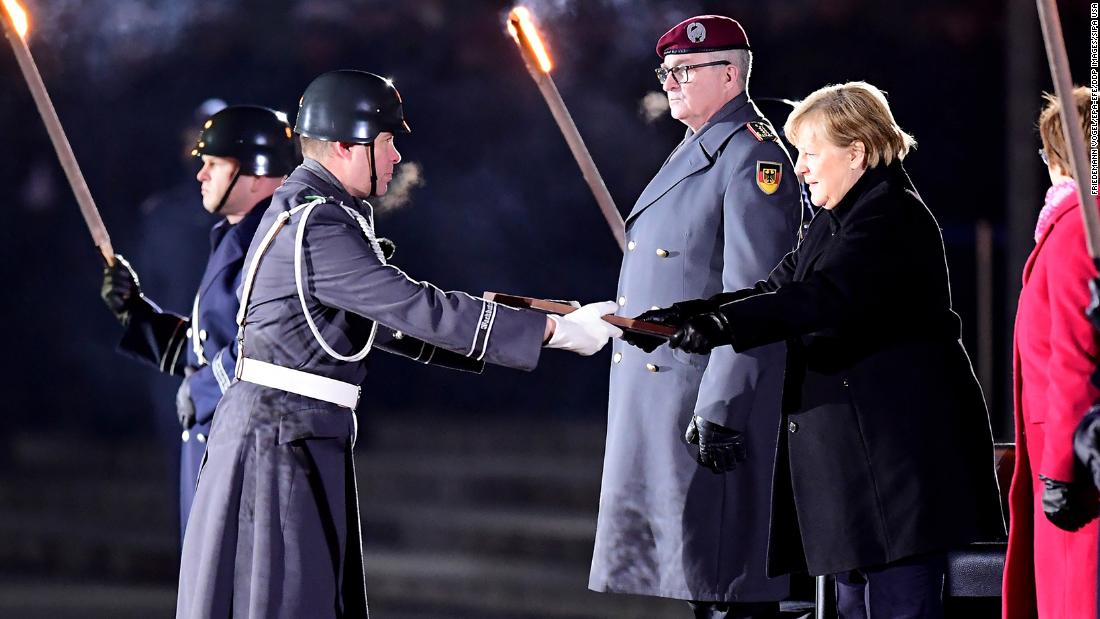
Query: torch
point(16, 25)
point(537, 59)
point(1071, 122)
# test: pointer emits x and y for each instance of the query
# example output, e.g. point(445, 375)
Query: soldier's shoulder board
point(762, 131)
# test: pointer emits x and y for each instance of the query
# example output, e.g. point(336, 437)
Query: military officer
point(721, 211)
point(246, 151)
point(274, 531)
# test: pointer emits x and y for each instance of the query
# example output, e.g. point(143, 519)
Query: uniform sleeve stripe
point(488, 332)
point(482, 322)
point(175, 343)
point(219, 372)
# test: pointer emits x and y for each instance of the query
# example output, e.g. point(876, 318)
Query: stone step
point(480, 532)
point(530, 481)
point(462, 586)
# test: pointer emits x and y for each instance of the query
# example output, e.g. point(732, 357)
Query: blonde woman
point(885, 459)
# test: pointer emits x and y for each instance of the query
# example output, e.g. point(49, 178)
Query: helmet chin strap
point(373, 170)
point(228, 190)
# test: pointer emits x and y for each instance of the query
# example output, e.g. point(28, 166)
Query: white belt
point(299, 382)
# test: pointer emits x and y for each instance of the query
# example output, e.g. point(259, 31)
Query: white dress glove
point(584, 331)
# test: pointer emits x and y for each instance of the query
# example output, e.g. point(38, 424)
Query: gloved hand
point(701, 333)
point(1068, 505)
point(185, 407)
point(721, 449)
point(121, 289)
point(1086, 443)
point(387, 246)
point(584, 331)
point(1093, 310)
point(673, 316)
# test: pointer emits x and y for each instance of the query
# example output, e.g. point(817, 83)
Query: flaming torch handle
point(57, 135)
point(569, 131)
point(1071, 121)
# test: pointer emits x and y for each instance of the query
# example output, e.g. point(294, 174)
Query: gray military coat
point(721, 212)
point(274, 530)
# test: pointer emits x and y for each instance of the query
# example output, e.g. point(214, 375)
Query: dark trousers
point(908, 589)
point(735, 610)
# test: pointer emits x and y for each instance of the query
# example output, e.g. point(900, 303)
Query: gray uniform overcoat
point(721, 212)
point(274, 530)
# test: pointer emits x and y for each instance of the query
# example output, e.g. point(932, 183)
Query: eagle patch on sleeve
point(768, 176)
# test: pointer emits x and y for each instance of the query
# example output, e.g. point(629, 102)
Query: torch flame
point(18, 16)
point(520, 17)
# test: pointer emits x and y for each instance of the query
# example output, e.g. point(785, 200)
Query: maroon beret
point(702, 33)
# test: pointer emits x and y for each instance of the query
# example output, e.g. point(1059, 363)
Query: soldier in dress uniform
point(246, 151)
point(721, 211)
point(274, 532)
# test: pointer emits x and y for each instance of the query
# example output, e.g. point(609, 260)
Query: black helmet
point(350, 106)
point(258, 137)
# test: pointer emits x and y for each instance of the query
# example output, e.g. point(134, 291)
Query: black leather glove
point(121, 289)
point(1093, 310)
point(1068, 505)
point(1086, 443)
point(185, 407)
point(387, 246)
point(672, 316)
point(701, 333)
point(721, 449)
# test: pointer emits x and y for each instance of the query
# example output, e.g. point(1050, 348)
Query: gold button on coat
point(651, 367)
point(617, 357)
point(792, 426)
point(631, 245)
point(663, 253)
point(622, 301)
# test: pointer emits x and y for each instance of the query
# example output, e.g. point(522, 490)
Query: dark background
point(502, 206)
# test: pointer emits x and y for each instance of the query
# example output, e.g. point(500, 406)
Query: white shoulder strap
point(298, 238)
point(250, 278)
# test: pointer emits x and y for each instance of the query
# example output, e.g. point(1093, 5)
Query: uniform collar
point(247, 224)
point(715, 132)
point(327, 185)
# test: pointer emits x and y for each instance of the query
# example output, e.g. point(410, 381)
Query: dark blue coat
point(201, 347)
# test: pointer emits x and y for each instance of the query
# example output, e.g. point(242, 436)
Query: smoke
point(119, 32)
point(653, 106)
point(408, 177)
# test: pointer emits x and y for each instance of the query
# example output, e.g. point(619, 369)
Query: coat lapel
point(232, 246)
point(697, 152)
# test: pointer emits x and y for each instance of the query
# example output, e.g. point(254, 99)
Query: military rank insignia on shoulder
point(762, 131)
point(768, 175)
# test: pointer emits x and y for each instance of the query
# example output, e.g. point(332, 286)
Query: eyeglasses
point(681, 73)
point(1043, 156)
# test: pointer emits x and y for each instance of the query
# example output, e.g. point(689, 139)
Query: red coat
point(1050, 573)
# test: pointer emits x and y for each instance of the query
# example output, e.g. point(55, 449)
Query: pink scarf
point(1055, 195)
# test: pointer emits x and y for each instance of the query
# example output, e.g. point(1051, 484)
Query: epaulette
point(762, 131)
